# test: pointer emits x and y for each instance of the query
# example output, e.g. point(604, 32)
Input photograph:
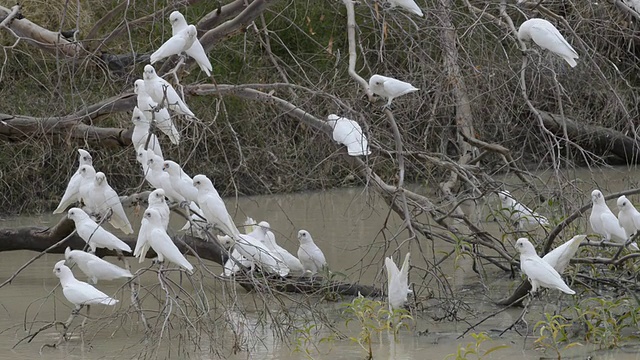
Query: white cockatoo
point(77, 292)
point(179, 42)
point(196, 51)
point(252, 249)
point(152, 234)
point(142, 132)
point(213, 207)
point(72, 193)
point(235, 260)
point(398, 282)
point(141, 158)
point(94, 267)
point(180, 181)
point(628, 216)
point(309, 253)
point(518, 213)
point(93, 234)
point(160, 116)
point(160, 179)
point(156, 88)
point(269, 240)
point(389, 88)
point(349, 133)
point(104, 198)
point(559, 257)
point(157, 202)
point(539, 272)
point(409, 5)
point(545, 35)
point(604, 222)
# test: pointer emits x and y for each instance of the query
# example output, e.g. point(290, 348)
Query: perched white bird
point(252, 249)
point(72, 193)
point(539, 272)
point(559, 257)
point(518, 213)
point(196, 51)
point(157, 202)
point(349, 133)
point(398, 282)
point(309, 253)
point(87, 185)
point(152, 234)
point(142, 132)
point(160, 179)
point(141, 158)
point(604, 222)
point(408, 5)
point(79, 292)
point(213, 207)
point(180, 181)
point(105, 198)
point(628, 216)
point(94, 267)
point(93, 234)
point(156, 86)
point(279, 252)
point(179, 42)
point(232, 265)
point(389, 88)
point(160, 116)
point(545, 35)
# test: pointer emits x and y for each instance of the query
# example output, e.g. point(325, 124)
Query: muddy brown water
point(344, 223)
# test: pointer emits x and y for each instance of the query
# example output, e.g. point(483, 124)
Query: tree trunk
point(35, 238)
point(597, 139)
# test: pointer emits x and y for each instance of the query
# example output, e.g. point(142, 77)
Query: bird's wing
point(173, 46)
point(612, 227)
point(559, 257)
point(71, 193)
point(216, 213)
point(105, 239)
point(196, 51)
point(408, 5)
point(176, 103)
point(79, 292)
point(162, 244)
point(169, 129)
point(548, 37)
point(142, 244)
point(539, 270)
point(119, 218)
point(395, 87)
point(104, 270)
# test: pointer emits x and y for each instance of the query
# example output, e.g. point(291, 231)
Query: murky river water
point(346, 224)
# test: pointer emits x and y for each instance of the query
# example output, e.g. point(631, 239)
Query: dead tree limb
point(47, 40)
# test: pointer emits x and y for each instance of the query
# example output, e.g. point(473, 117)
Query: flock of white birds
point(258, 248)
point(545, 271)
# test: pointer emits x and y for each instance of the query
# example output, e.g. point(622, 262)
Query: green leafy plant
point(474, 350)
point(552, 332)
point(373, 317)
point(306, 343)
point(606, 320)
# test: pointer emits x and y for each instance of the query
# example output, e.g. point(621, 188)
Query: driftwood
point(597, 139)
point(36, 238)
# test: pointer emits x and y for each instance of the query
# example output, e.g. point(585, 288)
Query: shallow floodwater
point(355, 230)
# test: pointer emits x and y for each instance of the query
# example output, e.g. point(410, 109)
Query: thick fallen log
point(37, 238)
point(600, 140)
